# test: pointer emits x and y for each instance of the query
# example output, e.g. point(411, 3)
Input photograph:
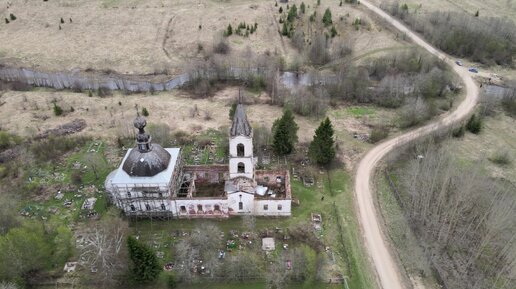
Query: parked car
point(458, 62)
point(472, 69)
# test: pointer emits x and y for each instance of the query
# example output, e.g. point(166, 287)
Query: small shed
point(268, 244)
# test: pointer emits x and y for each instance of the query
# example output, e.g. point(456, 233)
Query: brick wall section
point(272, 174)
point(208, 173)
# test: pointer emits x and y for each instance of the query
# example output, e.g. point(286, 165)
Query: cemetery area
point(70, 189)
point(306, 247)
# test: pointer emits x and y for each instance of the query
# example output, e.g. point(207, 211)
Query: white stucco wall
point(272, 209)
point(247, 202)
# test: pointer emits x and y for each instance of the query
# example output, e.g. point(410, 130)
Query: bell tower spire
point(241, 160)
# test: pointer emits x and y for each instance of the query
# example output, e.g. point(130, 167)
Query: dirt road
point(388, 271)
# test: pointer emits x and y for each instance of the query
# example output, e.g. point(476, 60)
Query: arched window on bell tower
point(241, 168)
point(240, 150)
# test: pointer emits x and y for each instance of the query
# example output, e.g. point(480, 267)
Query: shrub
point(509, 102)
point(104, 92)
point(459, 132)
point(54, 147)
point(378, 134)
point(221, 47)
point(145, 112)
point(76, 177)
point(12, 17)
point(333, 31)
point(7, 140)
point(62, 20)
point(183, 138)
point(6, 21)
point(172, 281)
point(474, 124)
point(57, 110)
point(501, 157)
point(20, 86)
point(414, 113)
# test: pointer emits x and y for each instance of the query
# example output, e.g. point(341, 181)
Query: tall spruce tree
point(145, 266)
point(281, 143)
point(322, 148)
point(284, 132)
point(327, 17)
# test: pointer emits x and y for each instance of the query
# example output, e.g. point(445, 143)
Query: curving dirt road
point(387, 270)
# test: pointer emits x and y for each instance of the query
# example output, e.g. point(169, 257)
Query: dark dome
point(146, 163)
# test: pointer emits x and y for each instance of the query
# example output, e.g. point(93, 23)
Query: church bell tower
point(241, 161)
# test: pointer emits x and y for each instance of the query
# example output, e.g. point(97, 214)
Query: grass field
point(498, 135)
point(156, 36)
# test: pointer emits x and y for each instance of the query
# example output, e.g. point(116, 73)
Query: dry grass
point(492, 8)
point(31, 113)
point(137, 36)
point(498, 134)
point(127, 36)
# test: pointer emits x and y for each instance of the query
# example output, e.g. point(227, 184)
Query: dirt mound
point(72, 127)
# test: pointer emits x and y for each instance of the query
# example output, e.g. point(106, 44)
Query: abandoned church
point(154, 181)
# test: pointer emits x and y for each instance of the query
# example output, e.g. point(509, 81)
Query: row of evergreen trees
point(288, 23)
point(322, 147)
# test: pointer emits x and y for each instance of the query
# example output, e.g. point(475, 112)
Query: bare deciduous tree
point(105, 250)
point(459, 210)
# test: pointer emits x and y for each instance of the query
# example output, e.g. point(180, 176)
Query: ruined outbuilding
point(153, 181)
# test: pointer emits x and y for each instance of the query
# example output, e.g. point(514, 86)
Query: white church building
point(153, 181)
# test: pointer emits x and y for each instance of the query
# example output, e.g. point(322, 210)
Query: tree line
point(463, 219)
point(488, 40)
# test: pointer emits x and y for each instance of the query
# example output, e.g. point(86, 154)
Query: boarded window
point(240, 206)
point(265, 207)
point(240, 150)
point(241, 168)
point(280, 207)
